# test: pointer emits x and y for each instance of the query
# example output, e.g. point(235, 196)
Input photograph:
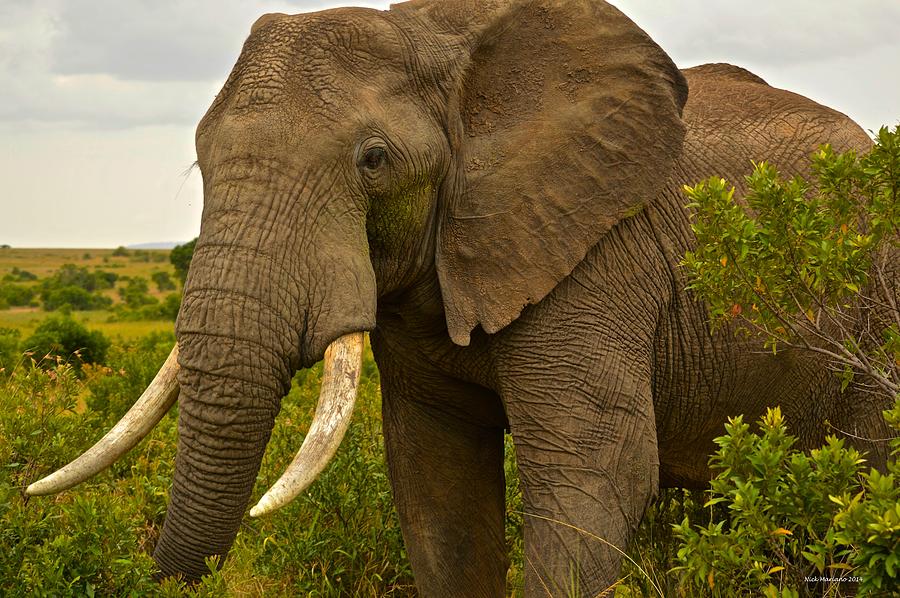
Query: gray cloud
point(767, 31)
point(840, 53)
point(99, 98)
point(114, 64)
point(164, 40)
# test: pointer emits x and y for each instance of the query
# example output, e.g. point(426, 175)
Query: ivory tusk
point(130, 430)
point(340, 379)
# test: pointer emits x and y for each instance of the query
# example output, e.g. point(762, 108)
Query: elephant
point(492, 189)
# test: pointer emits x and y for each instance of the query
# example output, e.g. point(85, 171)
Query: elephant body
point(493, 188)
point(611, 386)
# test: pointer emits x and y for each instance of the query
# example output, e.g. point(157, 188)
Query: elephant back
point(734, 118)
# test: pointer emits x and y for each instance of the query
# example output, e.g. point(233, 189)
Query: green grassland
point(27, 319)
point(44, 262)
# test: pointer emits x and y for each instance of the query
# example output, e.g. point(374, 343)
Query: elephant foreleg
point(448, 483)
point(588, 466)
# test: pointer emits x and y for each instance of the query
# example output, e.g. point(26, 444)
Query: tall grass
point(340, 538)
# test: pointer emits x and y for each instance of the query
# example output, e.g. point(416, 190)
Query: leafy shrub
point(134, 293)
point(76, 287)
point(80, 276)
point(800, 268)
point(9, 349)
point(163, 281)
point(129, 369)
point(15, 295)
point(807, 257)
point(341, 538)
point(19, 275)
point(66, 339)
point(793, 519)
point(120, 251)
point(181, 257)
point(167, 309)
point(74, 298)
point(85, 542)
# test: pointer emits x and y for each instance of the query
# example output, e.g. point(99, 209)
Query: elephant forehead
point(317, 58)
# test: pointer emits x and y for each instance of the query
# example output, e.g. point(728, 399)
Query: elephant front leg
point(588, 466)
point(448, 483)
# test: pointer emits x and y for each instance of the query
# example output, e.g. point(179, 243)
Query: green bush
point(61, 337)
point(793, 519)
point(163, 281)
point(76, 288)
point(167, 309)
point(120, 251)
point(181, 257)
point(796, 263)
point(15, 295)
point(19, 275)
point(75, 299)
point(85, 542)
point(339, 539)
point(134, 293)
point(80, 276)
point(129, 369)
point(10, 355)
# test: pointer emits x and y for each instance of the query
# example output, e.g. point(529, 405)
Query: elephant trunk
point(237, 356)
point(220, 447)
point(243, 330)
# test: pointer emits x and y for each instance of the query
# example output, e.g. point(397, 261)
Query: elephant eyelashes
point(374, 158)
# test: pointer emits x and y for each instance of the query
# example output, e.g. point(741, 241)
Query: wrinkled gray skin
point(493, 190)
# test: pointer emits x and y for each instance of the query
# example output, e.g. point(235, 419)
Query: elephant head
point(353, 154)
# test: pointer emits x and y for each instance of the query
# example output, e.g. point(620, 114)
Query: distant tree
point(76, 287)
point(134, 293)
point(18, 275)
point(80, 276)
point(120, 251)
point(86, 256)
point(181, 258)
point(105, 280)
point(140, 255)
point(15, 295)
point(163, 281)
point(74, 298)
point(65, 338)
point(170, 306)
point(5, 246)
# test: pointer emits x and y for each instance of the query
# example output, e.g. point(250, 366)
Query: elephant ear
point(566, 118)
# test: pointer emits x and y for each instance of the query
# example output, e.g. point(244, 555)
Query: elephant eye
point(374, 158)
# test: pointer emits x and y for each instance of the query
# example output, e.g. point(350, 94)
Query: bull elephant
point(492, 189)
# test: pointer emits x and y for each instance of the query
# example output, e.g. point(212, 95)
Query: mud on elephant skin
point(492, 189)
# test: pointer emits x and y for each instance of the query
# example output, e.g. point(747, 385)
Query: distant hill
point(160, 245)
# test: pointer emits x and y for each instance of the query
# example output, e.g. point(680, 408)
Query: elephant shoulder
point(721, 70)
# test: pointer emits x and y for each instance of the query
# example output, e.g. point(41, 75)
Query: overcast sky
point(99, 98)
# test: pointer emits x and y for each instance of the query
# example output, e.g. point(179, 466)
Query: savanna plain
point(83, 331)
